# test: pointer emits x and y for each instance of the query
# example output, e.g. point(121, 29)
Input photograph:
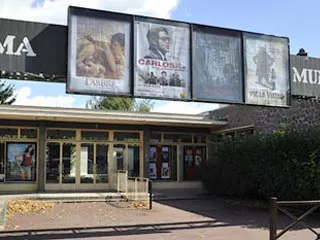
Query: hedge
point(283, 164)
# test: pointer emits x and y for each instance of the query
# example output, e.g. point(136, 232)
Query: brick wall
point(302, 114)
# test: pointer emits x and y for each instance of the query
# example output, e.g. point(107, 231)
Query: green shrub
point(283, 164)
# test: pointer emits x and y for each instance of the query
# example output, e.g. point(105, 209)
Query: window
point(94, 136)
point(176, 137)
point(168, 137)
point(155, 137)
point(197, 138)
point(127, 136)
point(187, 138)
point(8, 133)
point(28, 133)
point(61, 134)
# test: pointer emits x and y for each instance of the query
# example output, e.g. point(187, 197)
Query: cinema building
point(46, 149)
point(77, 150)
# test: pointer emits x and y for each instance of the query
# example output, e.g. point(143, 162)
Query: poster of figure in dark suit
point(217, 73)
point(266, 70)
point(162, 60)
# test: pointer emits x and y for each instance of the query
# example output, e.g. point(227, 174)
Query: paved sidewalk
point(170, 220)
point(3, 205)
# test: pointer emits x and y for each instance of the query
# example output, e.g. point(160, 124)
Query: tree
point(7, 96)
point(120, 103)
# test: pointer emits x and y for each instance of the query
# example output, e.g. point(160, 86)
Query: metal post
point(150, 194)
point(273, 218)
point(135, 189)
point(118, 182)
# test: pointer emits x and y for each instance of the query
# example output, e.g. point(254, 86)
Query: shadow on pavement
point(107, 231)
point(237, 215)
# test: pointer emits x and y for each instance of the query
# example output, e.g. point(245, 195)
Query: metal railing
point(138, 189)
point(133, 188)
point(276, 205)
point(122, 181)
point(118, 181)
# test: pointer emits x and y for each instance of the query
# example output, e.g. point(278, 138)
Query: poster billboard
point(99, 54)
point(217, 65)
point(21, 162)
point(162, 59)
point(266, 68)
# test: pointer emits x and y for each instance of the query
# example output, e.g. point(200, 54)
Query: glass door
point(133, 161)
point(60, 163)
point(163, 162)
point(126, 157)
point(192, 159)
point(101, 163)
point(68, 172)
point(119, 160)
point(94, 163)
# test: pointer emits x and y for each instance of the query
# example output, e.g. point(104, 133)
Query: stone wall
point(302, 114)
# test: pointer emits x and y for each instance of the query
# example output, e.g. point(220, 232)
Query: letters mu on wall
point(119, 54)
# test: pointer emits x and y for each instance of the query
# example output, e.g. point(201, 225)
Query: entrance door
point(61, 163)
point(163, 162)
point(94, 163)
point(192, 158)
point(126, 157)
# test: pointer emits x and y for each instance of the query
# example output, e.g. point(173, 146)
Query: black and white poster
point(99, 56)
point(217, 73)
point(266, 70)
point(162, 61)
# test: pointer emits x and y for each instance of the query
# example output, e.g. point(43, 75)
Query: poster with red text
point(162, 61)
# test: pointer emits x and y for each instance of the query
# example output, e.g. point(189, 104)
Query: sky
point(296, 19)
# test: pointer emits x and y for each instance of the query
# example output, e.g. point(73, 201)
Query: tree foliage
point(6, 93)
point(120, 103)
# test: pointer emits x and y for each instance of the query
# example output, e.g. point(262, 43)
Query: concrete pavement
point(184, 219)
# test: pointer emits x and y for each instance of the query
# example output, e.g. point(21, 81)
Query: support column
point(42, 157)
point(180, 162)
point(146, 147)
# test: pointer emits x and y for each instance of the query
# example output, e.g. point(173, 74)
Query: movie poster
point(99, 56)
point(152, 171)
point(152, 163)
point(266, 70)
point(162, 61)
point(165, 171)
point(217, 74)
point(21, 162)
